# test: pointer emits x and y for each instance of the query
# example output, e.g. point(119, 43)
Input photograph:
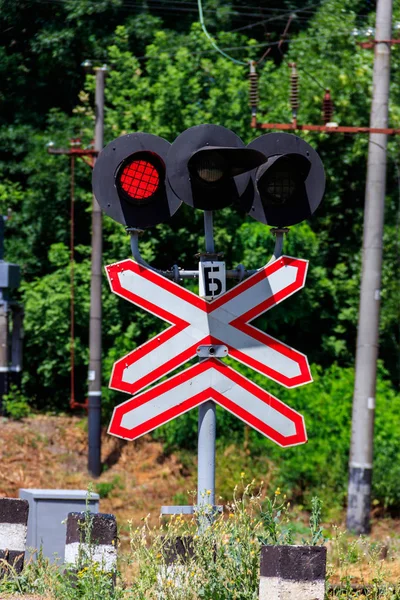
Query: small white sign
point(212, 279)
point(91, 375)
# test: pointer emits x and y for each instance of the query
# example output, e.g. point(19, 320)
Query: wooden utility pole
point(361, 454)
point(94, 374)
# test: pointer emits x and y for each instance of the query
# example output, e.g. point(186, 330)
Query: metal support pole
point(4, 352)
point(207, 426)
point(94, 375)
point(17, 314)
point(278, 248)
point(4, 363)
point(361, 454)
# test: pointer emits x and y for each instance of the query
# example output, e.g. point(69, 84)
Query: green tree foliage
point(163, 80)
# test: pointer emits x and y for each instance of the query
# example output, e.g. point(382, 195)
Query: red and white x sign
point(196, 322)
point(209, 380)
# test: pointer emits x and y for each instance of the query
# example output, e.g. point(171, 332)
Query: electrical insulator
point(253, 96)
point(294, 89)
point(327, 107)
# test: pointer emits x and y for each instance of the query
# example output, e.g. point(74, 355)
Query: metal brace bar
point(187, 510)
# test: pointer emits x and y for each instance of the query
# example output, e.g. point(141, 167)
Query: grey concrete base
point(292, 573)
point(101, 547)
point(13, 530)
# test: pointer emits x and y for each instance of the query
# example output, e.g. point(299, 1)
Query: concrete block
point(13, 529)
point(292, 573)
point(102, 545)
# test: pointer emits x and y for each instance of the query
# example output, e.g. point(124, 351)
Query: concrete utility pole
point(361, 454)
point(94, 375)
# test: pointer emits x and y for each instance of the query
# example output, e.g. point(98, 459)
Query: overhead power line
point(164, 5)
point(283, 14)
point(214, 45)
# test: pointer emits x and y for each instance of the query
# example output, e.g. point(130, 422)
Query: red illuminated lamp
point(130, 184)
point(139, 179)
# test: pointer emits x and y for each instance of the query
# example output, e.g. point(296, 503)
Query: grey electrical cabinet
point(10, 275)
point(48, 511)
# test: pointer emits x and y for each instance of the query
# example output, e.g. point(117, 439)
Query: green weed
point(220, 563)
point(16, 404)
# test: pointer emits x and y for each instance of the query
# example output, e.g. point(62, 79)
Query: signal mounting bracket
point(212, 351)
point(209, 255)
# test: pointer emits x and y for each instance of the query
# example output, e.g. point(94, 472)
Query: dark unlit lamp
point(209, 166)
point(289, 186)
point(281, 177)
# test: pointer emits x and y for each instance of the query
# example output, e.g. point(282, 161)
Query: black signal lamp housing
point(130, 184)
point(290, 185)
point(208, 167)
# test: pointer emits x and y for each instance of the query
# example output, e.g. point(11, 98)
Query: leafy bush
point(320, 466)
point(15, 404)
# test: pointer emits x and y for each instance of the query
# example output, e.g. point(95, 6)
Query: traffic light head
point(290, 185)
point(129, 181)
point(208, 167)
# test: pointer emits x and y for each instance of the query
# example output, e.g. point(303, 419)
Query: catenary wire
point(214, 45)
point(177, 8)
point(135, 7)
point(282, 15)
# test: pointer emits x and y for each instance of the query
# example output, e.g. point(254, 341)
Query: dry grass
point(51, 452)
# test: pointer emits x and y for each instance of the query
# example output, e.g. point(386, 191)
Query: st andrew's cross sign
point(195, 323)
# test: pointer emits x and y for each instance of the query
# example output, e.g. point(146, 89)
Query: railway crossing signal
point(196, 322)
point(140, 180)
point(222, 326)
point(129, 181)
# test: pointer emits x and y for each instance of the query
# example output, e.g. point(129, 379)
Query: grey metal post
point(361, 454)
point(4, 366)
point(4, 350)
point(17, 333)
point(94, 375)
point(207, 422)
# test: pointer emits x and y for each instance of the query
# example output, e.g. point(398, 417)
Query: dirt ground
point(51, 452)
